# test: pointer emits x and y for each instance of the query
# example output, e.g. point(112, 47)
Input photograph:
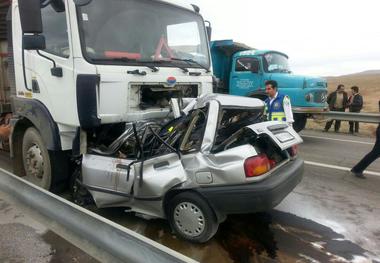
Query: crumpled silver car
point(218, 157)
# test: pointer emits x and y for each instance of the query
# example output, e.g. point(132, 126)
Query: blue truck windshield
point(132, 31)
point(276, 63)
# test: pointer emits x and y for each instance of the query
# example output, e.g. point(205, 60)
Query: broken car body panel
point(203, 150)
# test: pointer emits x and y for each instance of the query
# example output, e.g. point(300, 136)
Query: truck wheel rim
point(34, 162)
point(189, 219)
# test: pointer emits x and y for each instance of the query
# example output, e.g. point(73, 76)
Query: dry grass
point(369, 84)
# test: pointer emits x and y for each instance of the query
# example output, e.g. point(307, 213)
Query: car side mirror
point(33, 42)
point(30, 16)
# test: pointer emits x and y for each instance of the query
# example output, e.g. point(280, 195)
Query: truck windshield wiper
point(125, 59)
point(189, 61)
point(184, 70)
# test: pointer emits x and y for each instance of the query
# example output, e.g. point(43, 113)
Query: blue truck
point(242, 70)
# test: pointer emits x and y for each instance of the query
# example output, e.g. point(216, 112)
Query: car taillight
point(272, 163)
point(256, 166)
point(293, 151)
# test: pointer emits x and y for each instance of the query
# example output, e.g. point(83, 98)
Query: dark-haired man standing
point(338, 101)
point(355, 104)
point(277, 106)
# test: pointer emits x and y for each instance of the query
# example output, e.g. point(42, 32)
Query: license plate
point(284, 137)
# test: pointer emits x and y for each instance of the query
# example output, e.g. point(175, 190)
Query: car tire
point(192, 218)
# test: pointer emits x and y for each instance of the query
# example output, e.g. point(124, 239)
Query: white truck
point(114, 99)
point(79, 69)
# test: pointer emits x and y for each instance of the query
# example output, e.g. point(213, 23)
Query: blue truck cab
point(242, 70)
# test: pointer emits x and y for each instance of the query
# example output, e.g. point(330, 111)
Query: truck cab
point(80, 69)
point(243, 71)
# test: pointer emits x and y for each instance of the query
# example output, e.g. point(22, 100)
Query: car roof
point(230, 101)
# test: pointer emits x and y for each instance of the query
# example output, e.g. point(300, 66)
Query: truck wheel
point(192, 218)
point(36, 159)
point(300, 121)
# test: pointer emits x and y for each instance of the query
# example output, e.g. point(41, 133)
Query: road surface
point(330, 216)
point(24, 239)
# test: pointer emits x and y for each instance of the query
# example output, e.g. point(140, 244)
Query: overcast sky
point(321, 37)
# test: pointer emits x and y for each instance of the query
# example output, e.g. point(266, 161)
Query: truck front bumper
point(255, 197)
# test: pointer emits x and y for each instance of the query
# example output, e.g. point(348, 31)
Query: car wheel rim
point(34, 163)
point(189, 219)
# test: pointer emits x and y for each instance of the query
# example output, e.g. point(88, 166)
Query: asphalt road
point(25, 239)
point(330, 216)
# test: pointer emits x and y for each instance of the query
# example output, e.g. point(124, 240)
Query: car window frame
point(199, 146)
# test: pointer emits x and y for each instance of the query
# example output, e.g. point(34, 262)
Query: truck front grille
point(320, 96)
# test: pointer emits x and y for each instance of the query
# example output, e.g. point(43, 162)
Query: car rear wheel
point(192, 218)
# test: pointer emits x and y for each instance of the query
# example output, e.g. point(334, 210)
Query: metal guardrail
point(351, 116)
point(109, 242)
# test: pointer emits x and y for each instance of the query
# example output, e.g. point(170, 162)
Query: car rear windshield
point(231, 120)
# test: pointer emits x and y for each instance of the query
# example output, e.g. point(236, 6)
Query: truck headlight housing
point(309, 97)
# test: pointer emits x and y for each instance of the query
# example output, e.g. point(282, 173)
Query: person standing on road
point(369, 158)
point(277, 106)
point(355, 104)
point(338, 101)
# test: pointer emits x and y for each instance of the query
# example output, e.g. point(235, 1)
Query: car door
point(246, 75)
point(155, 176)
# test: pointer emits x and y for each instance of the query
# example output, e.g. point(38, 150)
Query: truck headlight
point(309, 97)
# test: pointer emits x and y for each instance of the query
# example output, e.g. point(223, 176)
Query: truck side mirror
point(31, 24)
point(30, 16)
point(209, 30)
point(33, 42)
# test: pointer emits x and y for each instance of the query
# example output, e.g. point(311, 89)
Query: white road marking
point(334, 139)
point(341, 168)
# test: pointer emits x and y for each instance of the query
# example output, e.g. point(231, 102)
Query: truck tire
point(192, 218)
point(300, 121)
point(48, 170)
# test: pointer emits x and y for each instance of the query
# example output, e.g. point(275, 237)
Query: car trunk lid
point(283, 135)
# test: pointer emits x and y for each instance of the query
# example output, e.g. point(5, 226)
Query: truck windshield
point(141, 31)
point(276, 63)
